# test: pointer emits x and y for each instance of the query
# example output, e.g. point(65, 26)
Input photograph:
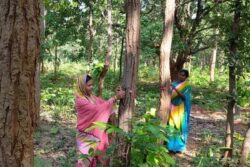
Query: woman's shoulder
point(80, 98)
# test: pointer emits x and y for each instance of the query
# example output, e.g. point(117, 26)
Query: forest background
point(209, 38)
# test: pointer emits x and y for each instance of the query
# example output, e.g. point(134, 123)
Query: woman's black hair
point(185, 72)
point(88, 78)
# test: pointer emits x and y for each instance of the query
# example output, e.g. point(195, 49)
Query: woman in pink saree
point(91, 109)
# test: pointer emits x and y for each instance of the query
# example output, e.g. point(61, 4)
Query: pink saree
point(87, 113)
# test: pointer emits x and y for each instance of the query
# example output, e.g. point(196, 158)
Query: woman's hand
point(120, 93)
point(179, 93)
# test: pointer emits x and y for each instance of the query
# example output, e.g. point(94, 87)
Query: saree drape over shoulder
point(87, 113)
point(179, 117)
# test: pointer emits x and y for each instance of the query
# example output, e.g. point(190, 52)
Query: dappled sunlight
point(55, 138)
point(198, 112)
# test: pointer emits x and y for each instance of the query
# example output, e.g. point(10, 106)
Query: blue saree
point(179, 117)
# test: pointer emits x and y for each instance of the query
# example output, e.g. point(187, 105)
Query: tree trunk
point(165, 61)
point(37, 80)
point(91, 34)
point(42, 30)
point(115, 56)
point(121, 58)
point(42, 66)
point(109, 51)
point(232, 81)
point(19, 51)
point(176, 66)
point(213, 61)
point(245, 148)
point(129, 79)
point(190, 65)
point(55, 61)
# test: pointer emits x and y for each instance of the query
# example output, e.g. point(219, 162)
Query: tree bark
point(91, 34)
point(245, 148)
point(129, 79)
point(109, 51)
point(43, 13)
point(121, 58)
point(213, 61)
point(19, 51)
point(232, 80)
point(165, 51)
point(116, 54)
point(176, 66)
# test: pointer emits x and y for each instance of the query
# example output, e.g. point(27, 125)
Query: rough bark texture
point(232, 80)
point(165, 51)
point(19, 51)
point(245, 149)
point(129, 79)
point(109, 51)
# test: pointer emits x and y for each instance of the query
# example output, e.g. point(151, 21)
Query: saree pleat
point(179, 117)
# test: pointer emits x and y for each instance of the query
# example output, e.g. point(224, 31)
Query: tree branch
point(199, 49)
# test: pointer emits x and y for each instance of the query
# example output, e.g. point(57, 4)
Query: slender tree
point(189, 16)
point(91, 33)
point(213, 58)
point(129, 78)
point(232, 79)
point(19, 51)
point(165, 51)
point(121, 58)
point(109, 51)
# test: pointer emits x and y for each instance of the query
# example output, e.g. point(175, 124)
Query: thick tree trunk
point(232, 81)
point(129, 79)
point(165, 51)
point(19, 51)
point(109, 51)
point(176, 66)
point(245, 149)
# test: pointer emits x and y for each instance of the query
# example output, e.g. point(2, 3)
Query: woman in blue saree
point(178, 121)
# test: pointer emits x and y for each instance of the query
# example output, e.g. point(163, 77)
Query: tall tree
point(19, 51)
point(190, 22)
point(91, 33)
point(233, 44)
point(129, 79)
point(213, 58)
point(109, 51)
point(165, 51)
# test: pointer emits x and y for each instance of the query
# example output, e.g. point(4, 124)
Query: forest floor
point(54, 140)
point(206, 136)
